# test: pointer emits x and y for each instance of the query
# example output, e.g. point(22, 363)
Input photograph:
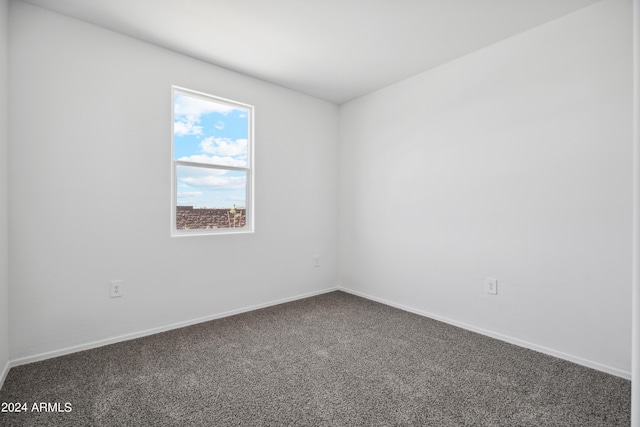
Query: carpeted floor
point(331, 360)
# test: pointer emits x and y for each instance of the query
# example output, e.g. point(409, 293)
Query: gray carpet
point(330, 360)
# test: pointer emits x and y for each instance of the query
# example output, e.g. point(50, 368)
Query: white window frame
point(249, 169)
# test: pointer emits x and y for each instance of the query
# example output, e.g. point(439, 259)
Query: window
point(212, 159)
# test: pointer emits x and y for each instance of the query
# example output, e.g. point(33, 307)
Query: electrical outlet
point(116, 288)
point(491, 285)
point(316, 261)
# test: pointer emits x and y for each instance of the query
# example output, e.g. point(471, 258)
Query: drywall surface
point(635, 362)
point(514, 162)
point(90, 184)
point(4, 196)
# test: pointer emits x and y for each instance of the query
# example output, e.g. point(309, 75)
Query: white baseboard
point(521, 343)
point(140, 334)
point(472, 328)
point(5, 371)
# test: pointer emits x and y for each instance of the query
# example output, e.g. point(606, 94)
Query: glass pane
point(211, 132)
point(210, 198)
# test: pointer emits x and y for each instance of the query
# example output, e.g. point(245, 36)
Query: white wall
point(90, 185)
point(635, 362)
point(4, 198)
point(513, 162)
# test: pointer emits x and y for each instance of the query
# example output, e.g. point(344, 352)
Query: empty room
point(321, 213)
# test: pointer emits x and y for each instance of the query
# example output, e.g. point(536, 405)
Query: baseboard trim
point(496, 335)
point(469, 327)
point(140, 334)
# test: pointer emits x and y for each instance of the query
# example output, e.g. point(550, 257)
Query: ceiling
point(335, 50)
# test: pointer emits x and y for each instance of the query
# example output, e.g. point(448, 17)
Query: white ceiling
point(335, 50)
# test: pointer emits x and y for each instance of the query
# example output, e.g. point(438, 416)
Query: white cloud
point(219, 125)
point(196, 107)
point(224, 146)
point(205, 187)
point(241, 199)
point(186, 128)
point(189, 193)
point(188, 111)
point(220, 182)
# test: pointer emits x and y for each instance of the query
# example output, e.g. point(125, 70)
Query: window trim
point(249, 169)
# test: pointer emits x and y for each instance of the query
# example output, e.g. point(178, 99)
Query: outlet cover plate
point(491, 285)
point(116, 288)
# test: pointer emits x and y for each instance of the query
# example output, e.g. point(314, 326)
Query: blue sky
point(211, 133)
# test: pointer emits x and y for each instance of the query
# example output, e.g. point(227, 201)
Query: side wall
point(90, 185)
point(514, 162)
point(635, 363)
point(4, 197)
